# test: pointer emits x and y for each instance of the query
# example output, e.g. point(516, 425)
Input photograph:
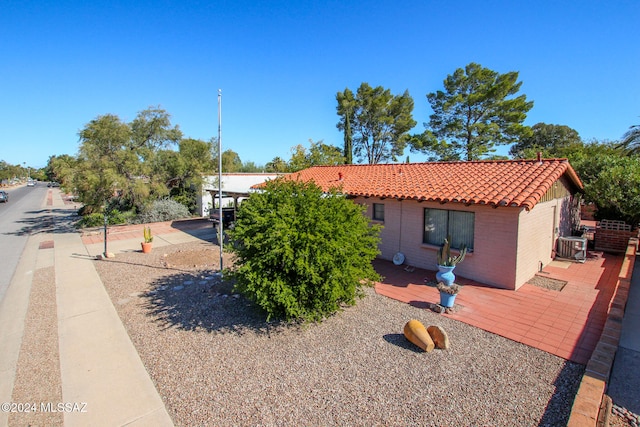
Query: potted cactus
point(148, 238)
point(447, 262)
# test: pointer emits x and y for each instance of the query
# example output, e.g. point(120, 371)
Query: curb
point(589, 399)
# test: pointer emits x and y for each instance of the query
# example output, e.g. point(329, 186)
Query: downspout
point(400, 232)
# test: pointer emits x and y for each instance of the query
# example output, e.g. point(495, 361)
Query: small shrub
point(91, 220)
point(115, 217)
point(163, 210)
point(186, 197)
point(300, 253)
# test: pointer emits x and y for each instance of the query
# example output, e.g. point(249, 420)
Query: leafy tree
point(318, 154)
point(251, 167)
point(301, 253)
point(8, 171)
point(231, 161)
point(151, 130)
point(323, 154)
point(183, 170)
point(277, 165)
point(117, 159)
point(613, 184)
point(298, 160)
point(61, 169)
point(346, 110)
point(544, 138)
point(601, 166)
point(580, 154)
point(631, 140)
point(198, 161)
point(474, 113)
point(104, 163)
point(377, 122)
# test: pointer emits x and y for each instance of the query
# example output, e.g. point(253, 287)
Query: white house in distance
point(509, 213)
point(235, 188)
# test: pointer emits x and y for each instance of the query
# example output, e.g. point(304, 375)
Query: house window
point(440, 223)
point(378, 211)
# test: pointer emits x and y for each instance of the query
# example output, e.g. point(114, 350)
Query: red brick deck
point(126, 232)
point(566, 323)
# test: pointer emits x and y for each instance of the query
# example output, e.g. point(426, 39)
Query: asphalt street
point(23, 215)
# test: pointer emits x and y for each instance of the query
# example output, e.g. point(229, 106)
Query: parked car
point(4, 196)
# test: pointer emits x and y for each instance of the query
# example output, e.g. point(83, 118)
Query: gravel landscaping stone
point(216, 361)
point(37, 380)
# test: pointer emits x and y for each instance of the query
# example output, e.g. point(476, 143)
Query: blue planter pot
point(447, 300)
point(445, 275)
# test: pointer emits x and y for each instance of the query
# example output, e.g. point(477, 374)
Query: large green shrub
point(302, 254)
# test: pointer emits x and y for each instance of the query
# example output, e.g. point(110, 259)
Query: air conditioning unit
point(574, 248)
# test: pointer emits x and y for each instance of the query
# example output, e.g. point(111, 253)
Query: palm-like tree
point(631, 140)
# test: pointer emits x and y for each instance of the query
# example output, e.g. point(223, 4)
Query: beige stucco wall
point(493, 261)
point(538, 232)
point(509, 243)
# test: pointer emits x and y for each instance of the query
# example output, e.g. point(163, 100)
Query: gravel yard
point(215, 361)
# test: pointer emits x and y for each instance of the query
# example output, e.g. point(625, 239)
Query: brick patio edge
point(586, 406)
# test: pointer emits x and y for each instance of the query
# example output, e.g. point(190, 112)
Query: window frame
point(457, 240)
point(374, 212)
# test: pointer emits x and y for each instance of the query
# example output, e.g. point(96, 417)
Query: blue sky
point(279, 65)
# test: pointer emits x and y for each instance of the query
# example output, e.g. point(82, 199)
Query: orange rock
point(415, 332)
point(439, 337)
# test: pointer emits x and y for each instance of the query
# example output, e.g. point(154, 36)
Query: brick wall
point(585, 411)
point(613, 236)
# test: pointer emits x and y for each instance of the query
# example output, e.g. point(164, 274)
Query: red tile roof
point(519, 183)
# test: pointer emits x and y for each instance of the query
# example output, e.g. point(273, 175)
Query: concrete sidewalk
point(624, 384)
point(100, 368)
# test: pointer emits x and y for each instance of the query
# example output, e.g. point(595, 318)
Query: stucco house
point(509, 213)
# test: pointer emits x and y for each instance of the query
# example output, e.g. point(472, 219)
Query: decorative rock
point(439, 337)
point(416, 333)
point(105, 256)
point(437, 308)
point(178, 288)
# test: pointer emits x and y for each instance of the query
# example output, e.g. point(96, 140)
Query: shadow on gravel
point(566, 387)
point(201, 301)
point(135, 264)
point(400, 341)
